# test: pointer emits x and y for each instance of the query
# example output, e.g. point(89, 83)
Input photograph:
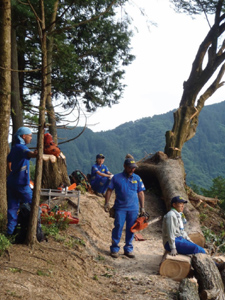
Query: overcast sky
point(164, 57)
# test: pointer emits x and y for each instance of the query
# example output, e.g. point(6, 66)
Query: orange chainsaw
point(142, 222)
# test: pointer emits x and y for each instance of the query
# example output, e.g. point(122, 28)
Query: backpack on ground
point(21, 229)
point(79, 178)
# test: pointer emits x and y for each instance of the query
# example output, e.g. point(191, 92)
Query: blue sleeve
point(141, 186)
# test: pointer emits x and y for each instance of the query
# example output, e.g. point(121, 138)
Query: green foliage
point(91, 48)
point(50, 229)
point(216, 240)
point(217, 190)
point(195, 7)
point(4, 243)
point(195, 188)
point(32, 170)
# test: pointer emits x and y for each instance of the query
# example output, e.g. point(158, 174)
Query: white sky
point(164, 57)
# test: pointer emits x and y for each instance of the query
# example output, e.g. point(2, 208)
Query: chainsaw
point(142, 222)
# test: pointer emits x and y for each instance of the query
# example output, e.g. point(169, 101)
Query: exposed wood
point(188, 290)
point(175, 267)
point(197, 238)
point(208, 276)
point(195, 197)
point(54, 172)
point(205, 199)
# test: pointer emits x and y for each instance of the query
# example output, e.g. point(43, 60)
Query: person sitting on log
point(175, 238)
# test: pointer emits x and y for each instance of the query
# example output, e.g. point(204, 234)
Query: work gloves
point(142, 211)
point(173, 252)
point(106, 207)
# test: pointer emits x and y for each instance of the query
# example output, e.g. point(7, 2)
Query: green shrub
point(4, 243)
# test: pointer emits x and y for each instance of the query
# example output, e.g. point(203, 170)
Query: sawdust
point(77, 265)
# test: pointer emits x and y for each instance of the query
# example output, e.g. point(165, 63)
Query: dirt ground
point(77, 264)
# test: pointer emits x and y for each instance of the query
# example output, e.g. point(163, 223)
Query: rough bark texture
point(49, 105)
point(5, 97)
point(188, 290)
point(170, 176)
point(32, 229)
point(16, 107)
point(208, 276)
point(54, 172)
point(209, 58)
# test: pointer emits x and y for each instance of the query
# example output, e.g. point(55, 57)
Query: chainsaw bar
point(154, 220)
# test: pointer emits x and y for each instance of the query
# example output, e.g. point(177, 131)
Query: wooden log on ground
point(188, 290)
point(208, 276)
point(175, 267)
point(197, 238)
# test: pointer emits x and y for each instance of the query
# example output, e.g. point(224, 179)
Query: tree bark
point(54, 172)
point(186, 116)
point(188, 290)
point(32, 229)
point(16, 106)
point(50, 109)
point(208, 276)
point(5, 99)
point(169, 175)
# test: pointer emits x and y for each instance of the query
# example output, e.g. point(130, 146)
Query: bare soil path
point(77, 265)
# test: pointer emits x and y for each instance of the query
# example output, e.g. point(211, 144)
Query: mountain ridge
point(203, 155)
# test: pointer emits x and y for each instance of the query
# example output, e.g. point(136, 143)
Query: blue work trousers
point(122, 216)
point(100, 184)
point(184, 246)
point(16, 195)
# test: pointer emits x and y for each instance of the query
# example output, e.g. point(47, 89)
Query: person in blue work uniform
point(100, 175)
point(175, 238)
point(129, 190)
point(18, 181)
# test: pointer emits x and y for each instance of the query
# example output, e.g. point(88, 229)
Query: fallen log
point(188, 289)
point(169, 175)
point(175, 267)
point(208, 276)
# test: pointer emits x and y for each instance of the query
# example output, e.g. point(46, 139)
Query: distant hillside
point(203, 155)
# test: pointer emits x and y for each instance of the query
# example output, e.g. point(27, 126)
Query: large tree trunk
point(5, 98)
point(169, 174)
point(16, 106)
point(188, 290)
point(208, 276)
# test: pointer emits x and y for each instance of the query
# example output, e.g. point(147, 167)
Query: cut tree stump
point(54, 171)
point(175, 267)
point(208, 276)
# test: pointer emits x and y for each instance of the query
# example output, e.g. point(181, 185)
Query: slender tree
point(5, 97)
